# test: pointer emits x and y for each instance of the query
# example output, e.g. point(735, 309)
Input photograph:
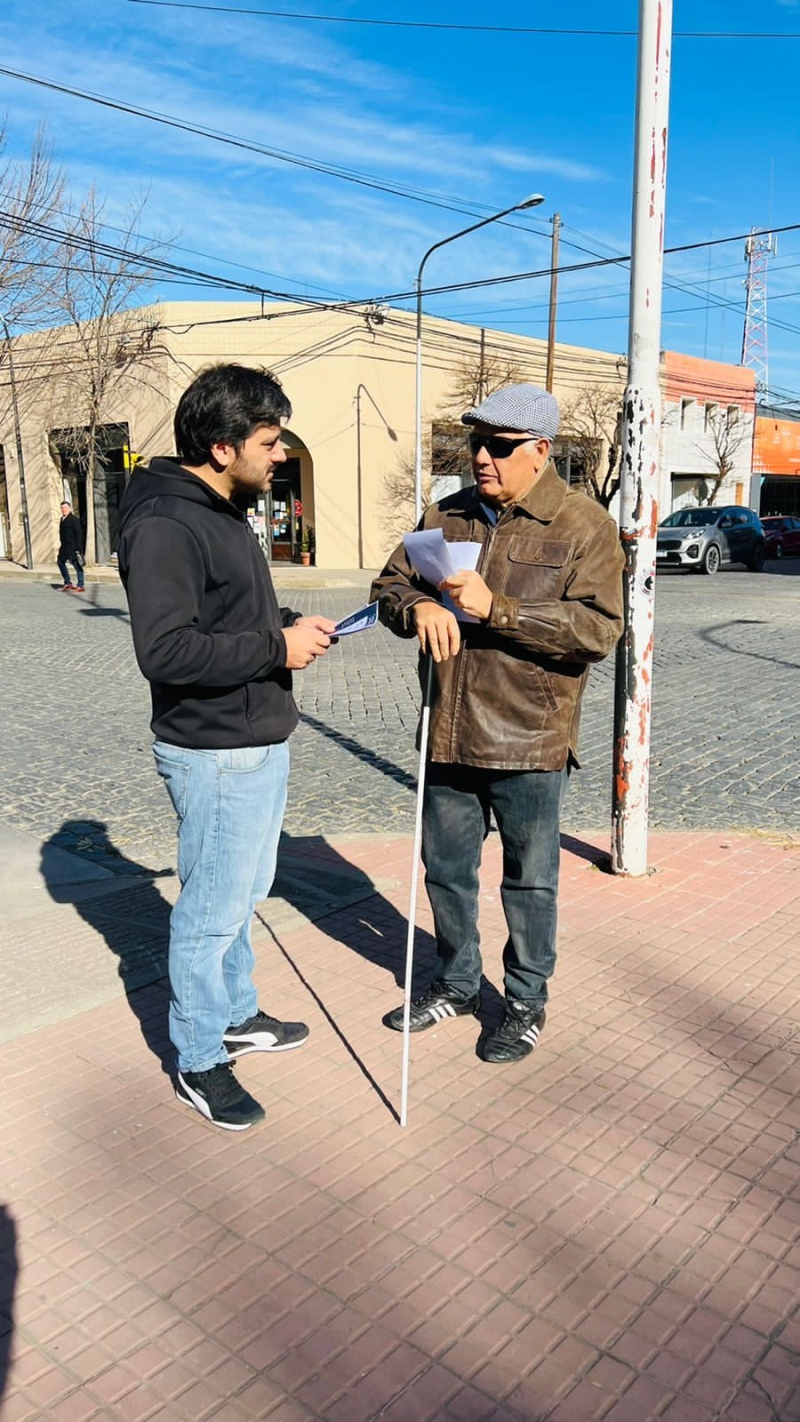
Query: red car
point(783, 535)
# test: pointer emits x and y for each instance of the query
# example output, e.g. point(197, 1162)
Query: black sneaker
point(517, 1034)
point(264, 1034)
point(434, 1006)
point(218, 1096)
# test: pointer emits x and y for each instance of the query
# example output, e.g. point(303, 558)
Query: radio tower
point(758, 248)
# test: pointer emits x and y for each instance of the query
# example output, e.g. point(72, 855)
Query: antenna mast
point(758, 248)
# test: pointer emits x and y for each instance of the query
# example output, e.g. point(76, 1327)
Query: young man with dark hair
point(218, 652)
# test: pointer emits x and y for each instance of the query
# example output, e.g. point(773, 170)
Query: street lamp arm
point(534, 201)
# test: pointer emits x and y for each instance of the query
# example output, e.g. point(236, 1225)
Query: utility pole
point(23, 493)
point(551, 328)
point(482, 368)
point(640, 445)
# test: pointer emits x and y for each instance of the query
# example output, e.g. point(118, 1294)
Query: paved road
point(76, 768)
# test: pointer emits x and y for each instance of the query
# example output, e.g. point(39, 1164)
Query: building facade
point(708, 424)
point(347, 487)
point(776, 462)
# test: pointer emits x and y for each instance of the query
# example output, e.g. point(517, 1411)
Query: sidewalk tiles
point(609, 1229)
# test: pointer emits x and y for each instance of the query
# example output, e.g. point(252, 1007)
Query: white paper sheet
point(435, 559)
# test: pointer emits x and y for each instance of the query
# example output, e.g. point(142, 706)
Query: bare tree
point(31, 195)
point(727, 433)
point(397, 493)
point(591, 424)
point(445, 454)
point(107, 342)
point(477, 377)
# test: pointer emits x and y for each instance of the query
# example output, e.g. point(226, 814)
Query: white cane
point(412, 902)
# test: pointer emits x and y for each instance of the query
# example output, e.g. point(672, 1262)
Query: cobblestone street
point(610, 1233)
point(75, 746)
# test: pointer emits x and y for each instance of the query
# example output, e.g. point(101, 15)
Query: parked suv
point(704, 539)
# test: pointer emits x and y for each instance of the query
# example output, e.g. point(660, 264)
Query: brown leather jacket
point(510, 699)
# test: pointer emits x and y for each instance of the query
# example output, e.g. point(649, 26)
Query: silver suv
point(704, 539)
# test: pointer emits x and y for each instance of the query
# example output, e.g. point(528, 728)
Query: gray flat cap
point(525, 407)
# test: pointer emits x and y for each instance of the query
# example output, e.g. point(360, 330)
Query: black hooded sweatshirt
point(205, 618)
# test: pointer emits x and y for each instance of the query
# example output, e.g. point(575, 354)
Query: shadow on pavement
point(92, 607)
point(378, 762)
point(320, 883)
point(583, 850)
point(716, 637)
point(782, 567)
point(8, 1282)
point(317, 881)
point(134, 921)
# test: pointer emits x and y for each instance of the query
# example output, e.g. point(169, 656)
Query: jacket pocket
point(536, 570)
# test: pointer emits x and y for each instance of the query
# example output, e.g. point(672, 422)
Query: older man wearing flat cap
point(547, 602)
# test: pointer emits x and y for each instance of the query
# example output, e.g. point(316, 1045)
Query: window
point(733, 416)
point(710, 416)
point(686, 414)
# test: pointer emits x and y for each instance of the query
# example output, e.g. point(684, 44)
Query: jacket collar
point(547, 496)
point(542, 502)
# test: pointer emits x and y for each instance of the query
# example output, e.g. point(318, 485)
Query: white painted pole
point(640, 445)
point(412, 898)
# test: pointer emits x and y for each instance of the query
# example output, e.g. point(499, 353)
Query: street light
point(359, 507)
point(533, 201)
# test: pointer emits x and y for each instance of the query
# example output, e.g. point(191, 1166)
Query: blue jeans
point(230, 806)
point(455, 822)
point(64, 570)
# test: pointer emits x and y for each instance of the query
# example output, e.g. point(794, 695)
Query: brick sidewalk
point(607, 1230)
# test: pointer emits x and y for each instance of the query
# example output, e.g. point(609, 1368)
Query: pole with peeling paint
point(641, 423)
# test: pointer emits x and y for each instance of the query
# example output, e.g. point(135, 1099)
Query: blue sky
point(472, 120)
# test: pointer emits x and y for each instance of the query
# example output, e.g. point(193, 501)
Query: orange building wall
point(777, 446)
point(689, 377)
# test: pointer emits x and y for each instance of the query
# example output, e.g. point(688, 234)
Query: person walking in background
point(70, 549)
point(545, 602)
point(219, 654)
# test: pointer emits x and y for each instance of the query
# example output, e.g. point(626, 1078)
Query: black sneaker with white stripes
point(436, 1005)
point(218, 1096)
point(517, 1034)
point(264, 1034)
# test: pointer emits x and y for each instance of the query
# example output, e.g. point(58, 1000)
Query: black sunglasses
point(497, 446)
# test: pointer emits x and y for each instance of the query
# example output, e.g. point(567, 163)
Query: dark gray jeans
point(455, 822)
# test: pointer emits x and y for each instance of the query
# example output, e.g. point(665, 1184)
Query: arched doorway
point(284, 517)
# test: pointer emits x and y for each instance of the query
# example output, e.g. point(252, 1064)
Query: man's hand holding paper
point(449, 567)
point(469, 593)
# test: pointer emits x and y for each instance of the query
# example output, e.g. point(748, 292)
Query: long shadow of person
point(319, 882)
point(8, 1282)
point(125, 907)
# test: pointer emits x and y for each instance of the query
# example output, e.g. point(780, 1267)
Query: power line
point(153, 264)
point(464, 29)
point(298, 160)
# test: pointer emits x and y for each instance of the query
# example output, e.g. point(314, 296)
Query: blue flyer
point(357, 621)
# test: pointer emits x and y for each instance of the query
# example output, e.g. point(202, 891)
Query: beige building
point(349, 373)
